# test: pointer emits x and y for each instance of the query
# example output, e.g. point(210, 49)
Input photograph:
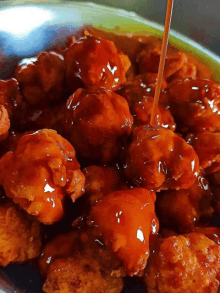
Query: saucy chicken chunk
point(78, 262)
point(184, 263)
point(195, 105)
point(41, 171)
point(10, 96)
point(207, 147)
point(127, 222)
point(159, 159)
point(98, 124)
point(4, 122)
point(42, 79)
point(20, 235)
point(101, 181)
point(95, 63)
point(149, 57)
point(182, 209)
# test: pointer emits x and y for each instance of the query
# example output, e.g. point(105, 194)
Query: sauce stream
point(162, 61)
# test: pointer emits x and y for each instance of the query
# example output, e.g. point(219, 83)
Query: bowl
point(39, 25)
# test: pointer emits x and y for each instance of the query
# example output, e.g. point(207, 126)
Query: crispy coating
point(78, 262)
point(42, 79)
point(40, 172)
point(207, 147)
point(20, 235)
point(98, 124)
point(149, 57)
point(101, 181)
point(4, 122)
point(159, 159)
point(127, 222)
point(182, 209)
point(188, 70)
point(195, 105)
point(184, 263)
point(95, 63)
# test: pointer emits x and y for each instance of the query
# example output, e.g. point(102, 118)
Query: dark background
point(198, 19)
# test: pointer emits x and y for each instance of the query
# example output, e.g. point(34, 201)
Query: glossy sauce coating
point(98, 124)
point(42, 79)
point(95, 63)
point(184, 263)
point(207, 147)
point(101, 181)
point(40, 172)
point(127, 221)
point(183, 209)
point(195, 105)
point(159, 159)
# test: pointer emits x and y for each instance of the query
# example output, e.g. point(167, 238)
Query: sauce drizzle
point(162, 61)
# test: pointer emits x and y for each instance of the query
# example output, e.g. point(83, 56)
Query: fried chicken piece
point(212, 233)
point(127, 222)
point(101, 181)
point(79, 262)
point(195, 105)
point(98, 124)
point(149, 57)
point(184, 263)
point(40, 172)
point(182, 209)
point(20, 235)
point(140, 86)
point(4, 123)
point(139, 94)
point(95, 63)
point(10, 96)
point(188, 70)
point(159, 159)
point(207, 147)
point(42, 79)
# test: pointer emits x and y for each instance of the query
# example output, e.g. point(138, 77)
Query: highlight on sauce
point(110, 166)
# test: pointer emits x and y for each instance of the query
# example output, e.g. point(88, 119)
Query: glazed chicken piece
point(101, 181)
point(20, 235)
point(98, 124)
point(95, 63)
point(127, 222)
point(42, 78)
point(4, 123)
point(139, 94)
point(10, 96)
point(184, 263)
point(182, 209)
point(207, 147)
point(41, 171)
point(159, 159)
point(195, 105)
point(78, 262)
point(188, 70)
point(149, 57)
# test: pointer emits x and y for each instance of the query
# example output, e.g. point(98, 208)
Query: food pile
point(91, 192)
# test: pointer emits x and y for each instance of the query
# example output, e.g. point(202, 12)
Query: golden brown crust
point(20, 235)
point(184, 263)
